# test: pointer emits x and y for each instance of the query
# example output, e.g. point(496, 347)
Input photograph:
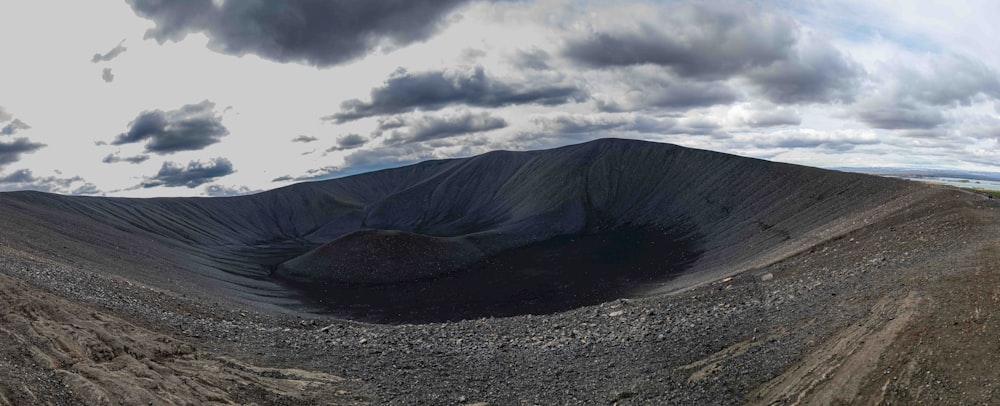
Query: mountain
point(495, 234)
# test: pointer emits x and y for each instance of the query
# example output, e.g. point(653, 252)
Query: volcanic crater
point(499, 234)
point(614, 271)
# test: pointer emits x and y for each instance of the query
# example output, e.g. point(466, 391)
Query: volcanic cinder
point(614, 270)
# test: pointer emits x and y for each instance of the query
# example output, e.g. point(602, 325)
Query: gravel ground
point(772, 334)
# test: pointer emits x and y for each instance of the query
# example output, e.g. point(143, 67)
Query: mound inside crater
point(553, 275)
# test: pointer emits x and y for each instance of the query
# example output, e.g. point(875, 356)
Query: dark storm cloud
point(192, 127)
point(195, 174)
point(304, 139)
point(115, 158)
point(406, 92)
point(284, 178)
point(107, 76)
point(13, 127)
point(10, 152)
point(316, 32)
point(112, 54)
point(725, 40)
point(427, 128)
point(349, 141)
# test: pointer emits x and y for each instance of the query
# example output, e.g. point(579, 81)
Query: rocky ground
point(899, 309)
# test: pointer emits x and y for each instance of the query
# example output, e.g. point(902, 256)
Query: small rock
point(766, 277)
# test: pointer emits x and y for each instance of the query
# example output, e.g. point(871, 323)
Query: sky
point(145, 98)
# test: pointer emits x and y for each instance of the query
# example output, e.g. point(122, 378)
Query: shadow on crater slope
point(497, 234)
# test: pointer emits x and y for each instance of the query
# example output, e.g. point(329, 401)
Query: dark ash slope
point(497, 234)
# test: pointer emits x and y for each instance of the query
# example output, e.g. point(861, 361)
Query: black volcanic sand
point(778, 285)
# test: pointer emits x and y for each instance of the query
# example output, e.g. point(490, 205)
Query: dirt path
point(835, 372)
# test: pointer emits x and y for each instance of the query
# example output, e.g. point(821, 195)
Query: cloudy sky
point(215, 97)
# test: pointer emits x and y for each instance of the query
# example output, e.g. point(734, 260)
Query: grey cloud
point(13, 127)
point(192, 127)
point(811, 140)
point(112, 54)
point(929, 134)
point(195, 174)
point(24, 179)
point(912, 99)
point(714, 41)
point(378, 158)
point(952, 80)
point(304, 139)
point(19, 176)
point(316, 32)
point(4, 115)
point(388, 123)
point(86, 189)
point(534, 59)
point(325, 172)
point(224, 191)
point(981, 127)
point(586, 124)
point(818, 72)
point(405, 92)
point(890, 115)
point(698, 126)
point(772, 118)
point(107, 75)
point(472, 55)
point(659, 90)
point(426, 128)
point(707, 41)
point(10, 152)
point(115, 158)
point(349, 141)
